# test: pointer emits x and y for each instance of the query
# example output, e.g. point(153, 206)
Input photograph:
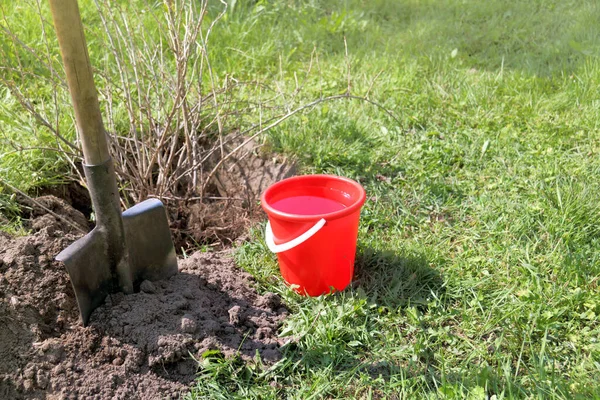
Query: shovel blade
point(149, 245)
point(90, 270)
point(150, 255)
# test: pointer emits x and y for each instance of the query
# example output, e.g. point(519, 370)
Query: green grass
point(478, 251)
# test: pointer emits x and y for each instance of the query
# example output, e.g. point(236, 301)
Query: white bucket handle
point(279, 248)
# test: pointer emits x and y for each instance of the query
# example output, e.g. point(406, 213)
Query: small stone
point(229, 330)
point(117, 361)
point(59, 369)
point(29, 373)
point(263, 332)
point(210, 326)
point(148, 287)
point(234, 315)
point(188, 294)
point(14, 301)
point(42, 379)
point(188, 324)
point(28, 385)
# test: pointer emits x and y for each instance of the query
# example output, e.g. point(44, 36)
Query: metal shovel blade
point(89, 268)
point(149, 245)
point(150, 255)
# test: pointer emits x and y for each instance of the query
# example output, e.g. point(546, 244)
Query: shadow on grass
point(230, 320)
point(536, 38)
point(390, 281)
point(335, 358)
point(525, 36)
point(395, 280)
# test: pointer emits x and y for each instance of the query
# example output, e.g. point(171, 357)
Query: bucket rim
point(272, 212)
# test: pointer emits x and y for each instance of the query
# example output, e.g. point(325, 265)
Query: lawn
point(478, 252)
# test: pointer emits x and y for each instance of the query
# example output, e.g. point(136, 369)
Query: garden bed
point(138, 346)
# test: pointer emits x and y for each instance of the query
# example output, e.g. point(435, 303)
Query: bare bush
point(171, 121)
point(167, 115)
point(170, 113)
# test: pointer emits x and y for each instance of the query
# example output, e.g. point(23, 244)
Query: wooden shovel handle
point(69, 29)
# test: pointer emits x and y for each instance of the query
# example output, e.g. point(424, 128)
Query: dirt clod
point(148, 287)
point(234, 315)
point(136, 346)
point(188, 324)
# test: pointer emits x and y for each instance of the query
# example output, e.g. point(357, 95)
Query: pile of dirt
point(138, 346)
point(72, 192)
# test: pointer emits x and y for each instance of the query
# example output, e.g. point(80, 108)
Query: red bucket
point(313, 227)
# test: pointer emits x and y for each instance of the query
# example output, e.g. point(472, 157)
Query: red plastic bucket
point(313, 227)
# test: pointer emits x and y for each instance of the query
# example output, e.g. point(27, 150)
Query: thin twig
point(37, 203)
point(373, 83)
point(26, 104)
point(19, 149)
point(285, 117)
point(347, 67)
point(178, 198)
point(16, 40)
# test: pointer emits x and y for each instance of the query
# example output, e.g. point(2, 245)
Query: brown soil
point(249, 172)
point(231, 204)
point(72, 192)
point(137, 346)
point(212, 223)
point(217, 220)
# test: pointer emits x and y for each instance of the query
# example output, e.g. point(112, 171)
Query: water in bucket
point(313, 227)
point(307, 205)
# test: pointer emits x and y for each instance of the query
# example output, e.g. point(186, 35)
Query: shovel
point(123, 249)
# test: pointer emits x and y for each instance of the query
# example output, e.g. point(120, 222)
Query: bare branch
point(37, 203)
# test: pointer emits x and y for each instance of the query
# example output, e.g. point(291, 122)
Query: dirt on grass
point(139, 346)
